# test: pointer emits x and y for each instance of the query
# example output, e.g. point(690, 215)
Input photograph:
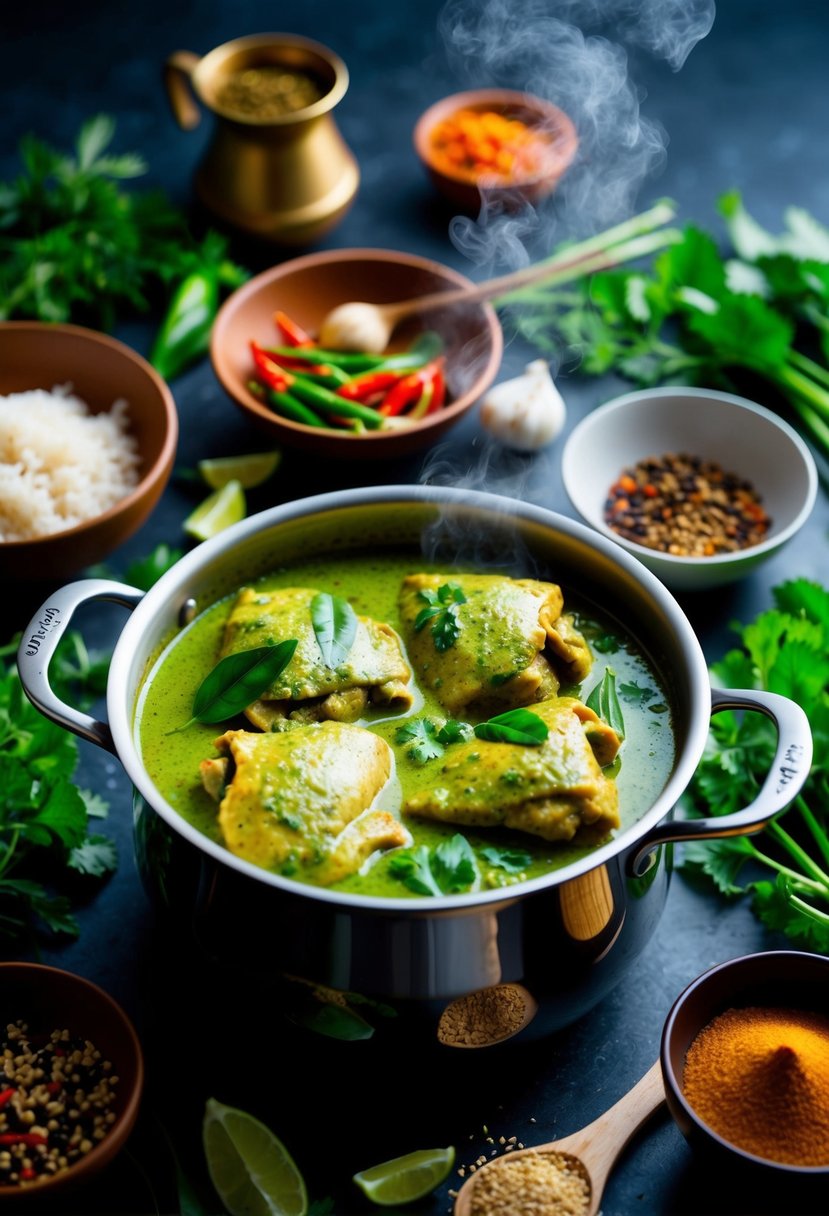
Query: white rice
point(60, 464)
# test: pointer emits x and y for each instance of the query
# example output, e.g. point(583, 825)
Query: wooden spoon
point(596, 1146)
point(368, 327)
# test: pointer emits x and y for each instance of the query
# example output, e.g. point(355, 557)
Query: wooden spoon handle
point(487, 290)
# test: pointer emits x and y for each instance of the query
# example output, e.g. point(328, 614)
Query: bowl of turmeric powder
point(745, 1060)
point(495, 145)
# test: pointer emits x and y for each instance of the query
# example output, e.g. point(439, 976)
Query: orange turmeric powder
point(760, 1079)
point(482, 144)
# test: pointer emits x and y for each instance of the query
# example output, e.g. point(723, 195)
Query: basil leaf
point(511, 860)
point(335, 627)
point(515, 726)
point(239, 679)
point(454, 864)
point(605, 704)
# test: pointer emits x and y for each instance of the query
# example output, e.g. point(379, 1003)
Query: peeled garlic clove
point(355, 326)
point(525, 413)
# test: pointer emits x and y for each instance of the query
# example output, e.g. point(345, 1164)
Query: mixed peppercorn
point(685, 506)
point(346, 390)
point(54, 1102)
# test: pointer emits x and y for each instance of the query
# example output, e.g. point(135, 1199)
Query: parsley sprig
point(445, 870)
point(442, 610)
point(786, 872)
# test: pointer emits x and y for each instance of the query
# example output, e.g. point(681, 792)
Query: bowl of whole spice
point(745, 1060)
point(700, 486)
point(71, 1081)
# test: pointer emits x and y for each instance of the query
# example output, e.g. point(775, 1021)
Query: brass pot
point(288, 178)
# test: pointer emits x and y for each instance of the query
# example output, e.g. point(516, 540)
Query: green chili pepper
point(184, 335)
point(326, 402)
point(289, 407)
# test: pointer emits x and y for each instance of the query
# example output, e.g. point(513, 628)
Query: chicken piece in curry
point(375, 669)
point(300, 798)
point(556, 791)
point(513, 645)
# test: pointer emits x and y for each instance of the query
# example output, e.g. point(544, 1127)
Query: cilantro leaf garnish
point(511, 860)
point(445, 870)
point(453, 731)
point(442, 610)
point(423, 735)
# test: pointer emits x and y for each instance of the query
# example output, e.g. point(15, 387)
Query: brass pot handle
point(178, 74)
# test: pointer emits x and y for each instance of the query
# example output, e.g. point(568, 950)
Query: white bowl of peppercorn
point(700, 486)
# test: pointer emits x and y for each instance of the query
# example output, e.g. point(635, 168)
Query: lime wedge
point(251, 1170)
point(219, 510)
point(404, 1179)
point(249, 470)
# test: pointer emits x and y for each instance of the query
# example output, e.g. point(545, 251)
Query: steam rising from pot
point(560, 50)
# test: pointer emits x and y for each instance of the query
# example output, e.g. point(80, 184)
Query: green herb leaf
point(605, 703)
point(96, 856)
point(335, 627)
point(423, 735)
point(454, 732)
point(454, 864)
point(442, 609)
point(413, 868)
point(146, 571)
point(238, 679)
point(514, 861)
point(515, 726)
point(636, 693)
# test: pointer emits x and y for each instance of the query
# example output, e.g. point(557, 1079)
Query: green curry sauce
point(371, 584)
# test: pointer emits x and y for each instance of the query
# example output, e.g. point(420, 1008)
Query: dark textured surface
point(749, 109)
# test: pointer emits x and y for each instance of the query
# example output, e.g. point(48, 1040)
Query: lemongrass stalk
point(661, 213)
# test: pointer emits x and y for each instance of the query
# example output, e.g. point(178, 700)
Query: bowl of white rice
point(88, 434)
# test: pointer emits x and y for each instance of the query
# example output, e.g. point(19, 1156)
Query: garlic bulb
point(525, 413)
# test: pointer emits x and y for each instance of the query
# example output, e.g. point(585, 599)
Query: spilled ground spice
point(760, 1079)
point(55, 1094)
point(533, 1184)
point(685, 506)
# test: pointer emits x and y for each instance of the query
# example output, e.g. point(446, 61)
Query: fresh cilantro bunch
point(696, 316)
point(785, 869)
point(76, 246)
point(45, 839)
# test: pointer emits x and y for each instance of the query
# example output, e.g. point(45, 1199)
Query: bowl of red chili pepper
point(745, 1061)
point(71, 1082)
point(346, 403)
point(495, 144)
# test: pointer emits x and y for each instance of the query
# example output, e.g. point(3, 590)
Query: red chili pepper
point(54, 1087)
point(274, 376)
point(438, 391)
point(363, 387)
point(293, 334)
point(6, 1095)
point(410, 389)
point(27, 1175)
point(30, 1139)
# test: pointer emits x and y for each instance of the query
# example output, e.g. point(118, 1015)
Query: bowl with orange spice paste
point(745, 1059)
point(495, 143)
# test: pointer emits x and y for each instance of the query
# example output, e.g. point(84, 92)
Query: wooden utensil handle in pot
point(178, 74)
point(784, 780)
point(40, 641)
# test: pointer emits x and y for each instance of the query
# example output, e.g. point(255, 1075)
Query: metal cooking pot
point(537, 955)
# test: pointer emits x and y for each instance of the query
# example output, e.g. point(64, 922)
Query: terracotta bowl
point(778, 978)
point(49, 999)
point(100, 369)
point(463, 187)
point(307, 289)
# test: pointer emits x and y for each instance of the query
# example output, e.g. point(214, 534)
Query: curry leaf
point(515, 726)
point(605, 704)
point(237, 680)
point(442, 609)
point(511, 860)
point(335, 627)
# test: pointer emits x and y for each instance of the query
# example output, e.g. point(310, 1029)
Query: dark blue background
point(749, 109)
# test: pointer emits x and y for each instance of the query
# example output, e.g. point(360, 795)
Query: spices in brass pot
point(685, 506)
point(268, 91)
point(760, 1079)
point(534, 1184)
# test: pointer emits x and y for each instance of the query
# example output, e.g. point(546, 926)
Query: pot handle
point(784, 780)
point(178, 72)
point(39, 643)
